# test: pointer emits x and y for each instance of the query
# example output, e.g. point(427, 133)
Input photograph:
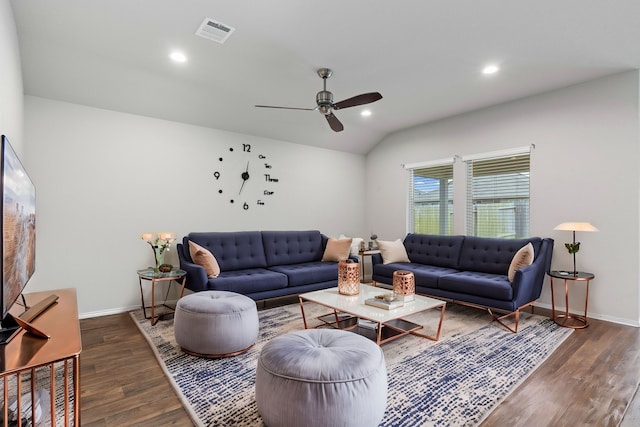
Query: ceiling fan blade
point(334, 122)
point(286, 108)
point(365, 98)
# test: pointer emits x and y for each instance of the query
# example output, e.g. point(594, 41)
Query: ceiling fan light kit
point(325, 104)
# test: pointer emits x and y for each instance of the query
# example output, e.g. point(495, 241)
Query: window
point(431, 197)
point(498, 195)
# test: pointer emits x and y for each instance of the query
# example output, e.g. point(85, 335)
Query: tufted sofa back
point(233, 250)
point(293, 247)
point(487, 255)
point(429, 249)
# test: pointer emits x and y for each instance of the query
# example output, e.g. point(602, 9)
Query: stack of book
point(369, 324)
point(381, 303)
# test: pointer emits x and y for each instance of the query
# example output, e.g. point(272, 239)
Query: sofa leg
point(516, 314)
point(500, 319)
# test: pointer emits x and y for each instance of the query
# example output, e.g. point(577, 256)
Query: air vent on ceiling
point(213, 30)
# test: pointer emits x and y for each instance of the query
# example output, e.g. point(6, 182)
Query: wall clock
point(245, 177)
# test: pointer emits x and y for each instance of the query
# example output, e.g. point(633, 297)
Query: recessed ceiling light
point(365, 113)
point(490, 69)
point(178, 57)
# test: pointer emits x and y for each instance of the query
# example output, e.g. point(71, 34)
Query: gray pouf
point(323, 378)
point(216, 323)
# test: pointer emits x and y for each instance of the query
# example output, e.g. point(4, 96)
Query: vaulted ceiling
point(424, 56)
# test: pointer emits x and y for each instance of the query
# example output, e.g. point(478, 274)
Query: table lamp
point(574, 247)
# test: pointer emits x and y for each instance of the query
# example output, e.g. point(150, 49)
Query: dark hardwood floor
point(120, 380)
point(589, 380)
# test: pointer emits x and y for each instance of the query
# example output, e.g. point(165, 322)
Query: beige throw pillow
point(337, 250)
point(355, 244)
point(522, 258)
point(392, 251)
point(204, 258)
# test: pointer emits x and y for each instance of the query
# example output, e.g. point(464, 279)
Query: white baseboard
point(101, 313)
point(591, 315)
point(119, 310)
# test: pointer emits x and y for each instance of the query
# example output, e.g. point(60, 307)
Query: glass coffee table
point(379, 324)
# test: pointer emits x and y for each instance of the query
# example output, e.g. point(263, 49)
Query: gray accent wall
point(103, 177)
point(11, 98)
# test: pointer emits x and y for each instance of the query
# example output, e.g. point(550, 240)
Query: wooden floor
point(589, 380)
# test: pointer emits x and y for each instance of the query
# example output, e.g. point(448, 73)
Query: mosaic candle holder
point(348, 277)
point(404, 286)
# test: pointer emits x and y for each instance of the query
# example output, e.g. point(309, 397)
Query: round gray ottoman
point(323, 378)
point(215, 323)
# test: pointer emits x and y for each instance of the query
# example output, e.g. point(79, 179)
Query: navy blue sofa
point(472, 270)
point(261, 264)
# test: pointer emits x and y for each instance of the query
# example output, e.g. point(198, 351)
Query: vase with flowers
point(159, 242)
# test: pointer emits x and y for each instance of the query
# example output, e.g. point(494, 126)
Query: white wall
point(104, 177)
point(584, 168)
point(11, 98)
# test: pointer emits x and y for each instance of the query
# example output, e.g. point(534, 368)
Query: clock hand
point(245, 177)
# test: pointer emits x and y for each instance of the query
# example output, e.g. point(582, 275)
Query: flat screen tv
point(18, 227)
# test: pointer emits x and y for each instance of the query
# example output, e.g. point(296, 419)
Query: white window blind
point(431, 199)
point(498, 196)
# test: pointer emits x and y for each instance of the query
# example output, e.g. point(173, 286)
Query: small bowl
point(389, 297)
point(165, 268)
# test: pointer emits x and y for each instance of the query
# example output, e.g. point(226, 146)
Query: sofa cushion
point(337, 250)
point(489, 255)
point(521, 259)
point(355, 244)
point(233, 250)
point(248, 281)
point(494, 286)
point(205, 259)
point(308, 272)
point(392, 251)
point(424, 275)
point(293, 247)
point(428, 249)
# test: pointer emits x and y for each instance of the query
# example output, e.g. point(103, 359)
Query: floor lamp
point(574, 247)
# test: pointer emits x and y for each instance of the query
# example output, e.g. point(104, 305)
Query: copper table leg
point(567, 319)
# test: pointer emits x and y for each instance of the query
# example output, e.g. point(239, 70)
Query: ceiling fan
point(325, 104)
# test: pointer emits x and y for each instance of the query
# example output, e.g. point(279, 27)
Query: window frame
point(444, 193)
point(509, 176)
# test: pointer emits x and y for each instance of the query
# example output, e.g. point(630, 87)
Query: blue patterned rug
point(456, 381)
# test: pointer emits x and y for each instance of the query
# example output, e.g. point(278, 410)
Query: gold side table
point(149, 274)
point(367, 253)
point(566, 319)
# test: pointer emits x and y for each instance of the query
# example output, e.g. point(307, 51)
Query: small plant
point(572, 247)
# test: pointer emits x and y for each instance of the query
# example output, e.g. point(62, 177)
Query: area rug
point(456, 381)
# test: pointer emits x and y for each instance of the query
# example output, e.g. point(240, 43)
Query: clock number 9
point(216, 174)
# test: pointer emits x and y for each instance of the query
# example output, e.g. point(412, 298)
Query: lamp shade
point(575, 226)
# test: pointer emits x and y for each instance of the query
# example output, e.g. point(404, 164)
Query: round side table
point(150, 274)
point(566, 319)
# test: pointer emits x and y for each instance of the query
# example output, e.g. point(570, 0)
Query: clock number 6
point(245, 206)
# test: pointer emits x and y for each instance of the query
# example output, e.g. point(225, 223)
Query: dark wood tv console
point(29, 363)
